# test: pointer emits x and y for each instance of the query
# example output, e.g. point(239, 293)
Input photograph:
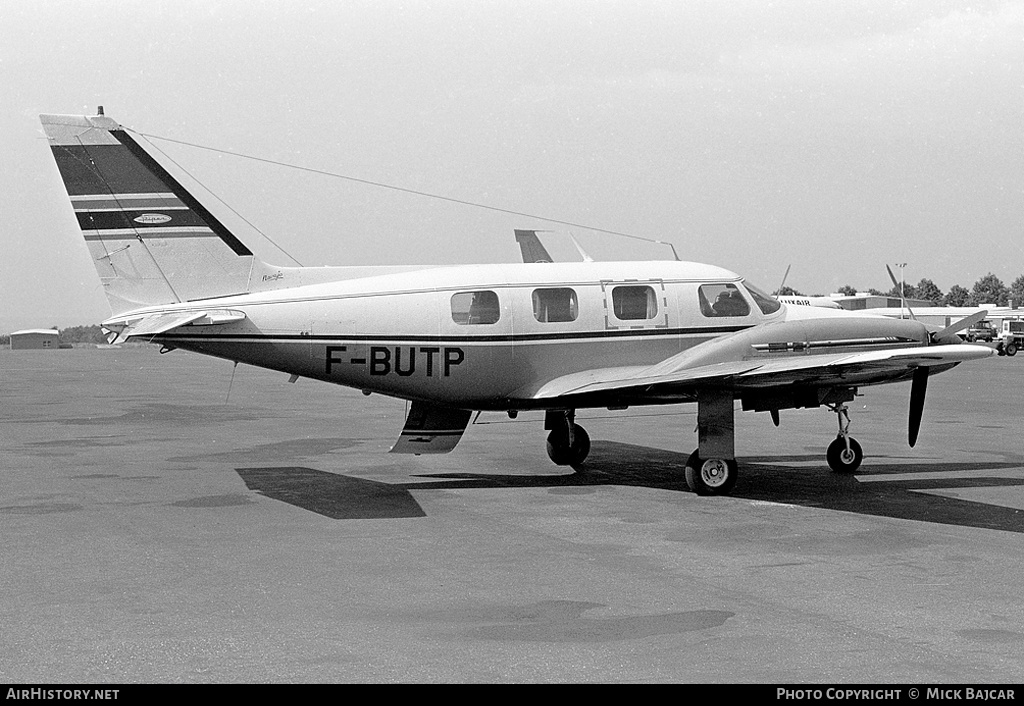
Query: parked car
point(981, 331)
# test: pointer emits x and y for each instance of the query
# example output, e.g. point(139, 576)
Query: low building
point(38, 338)
point(860, 301)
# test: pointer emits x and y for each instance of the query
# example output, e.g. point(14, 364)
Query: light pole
point(903, 296)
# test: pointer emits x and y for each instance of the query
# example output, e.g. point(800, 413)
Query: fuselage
point(488, 336)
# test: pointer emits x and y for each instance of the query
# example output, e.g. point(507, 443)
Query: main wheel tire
point(714, 476)
point(561, 453)
point(842, 461)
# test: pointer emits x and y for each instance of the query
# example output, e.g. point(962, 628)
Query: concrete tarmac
point(157, 528)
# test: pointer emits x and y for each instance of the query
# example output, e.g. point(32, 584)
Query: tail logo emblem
point(151, 218)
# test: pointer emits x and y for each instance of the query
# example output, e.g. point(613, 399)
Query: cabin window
point(555, 305)
point(765, 302)
point(634, 302)
point(475, 308)
point(721, 300)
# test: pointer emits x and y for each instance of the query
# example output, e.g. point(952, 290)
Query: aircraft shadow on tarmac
point(780, 479)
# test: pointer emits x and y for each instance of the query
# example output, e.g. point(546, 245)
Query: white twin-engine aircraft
point(556, 337)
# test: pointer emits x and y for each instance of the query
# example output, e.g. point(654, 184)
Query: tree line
point(987, 290)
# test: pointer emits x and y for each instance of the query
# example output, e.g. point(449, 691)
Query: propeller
point(919, 383)
point(918, 387)
point(582, 252)
point(950, 331)
point(903, 299)
point(779, 290)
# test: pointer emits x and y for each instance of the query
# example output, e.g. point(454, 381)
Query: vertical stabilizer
point(151, 241)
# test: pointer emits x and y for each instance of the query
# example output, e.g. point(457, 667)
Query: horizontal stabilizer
point(161, 323)
point(430, 429)
point(155, 324)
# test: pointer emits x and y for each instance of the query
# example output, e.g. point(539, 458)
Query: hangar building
point(34, 338)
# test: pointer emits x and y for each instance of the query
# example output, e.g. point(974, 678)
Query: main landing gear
point(714, 476)
point(568, 442)
point(711, 469)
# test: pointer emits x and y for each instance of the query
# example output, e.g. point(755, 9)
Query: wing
point(817, 370)
point(853, 352)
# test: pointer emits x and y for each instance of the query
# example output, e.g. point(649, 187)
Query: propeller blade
point(892, 277)
point(779, 290)
point(582, 252)
point(903, 299)
point(961, 325)
point(917, 391)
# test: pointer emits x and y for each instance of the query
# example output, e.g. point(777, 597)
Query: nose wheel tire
point(843, 460)
point(562, 452)
point(713, 476)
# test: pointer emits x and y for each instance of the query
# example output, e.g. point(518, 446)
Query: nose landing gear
point(844, 453)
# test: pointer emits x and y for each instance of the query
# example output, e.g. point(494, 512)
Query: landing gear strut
point(844, 453)
point(568, 442)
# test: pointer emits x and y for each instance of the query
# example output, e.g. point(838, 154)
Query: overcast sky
point(834, 136)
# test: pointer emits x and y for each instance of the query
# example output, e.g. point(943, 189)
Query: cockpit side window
point(475, 308)
point(765, 302)
point(722, 300)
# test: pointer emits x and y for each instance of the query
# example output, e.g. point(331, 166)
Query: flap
point(431, 429)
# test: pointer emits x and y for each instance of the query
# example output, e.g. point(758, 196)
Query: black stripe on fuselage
point(514, 337)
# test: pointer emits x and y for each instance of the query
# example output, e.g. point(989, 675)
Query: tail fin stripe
point(237, 246)
point(104, 172)
point(152, 242)
point(130, 234)
point(139, 219)
point(121, 197)
point(126, 202)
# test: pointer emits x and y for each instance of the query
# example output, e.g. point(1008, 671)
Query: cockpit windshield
point(765, 302)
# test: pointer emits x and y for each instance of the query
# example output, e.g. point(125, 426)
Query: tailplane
point(151, 241)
